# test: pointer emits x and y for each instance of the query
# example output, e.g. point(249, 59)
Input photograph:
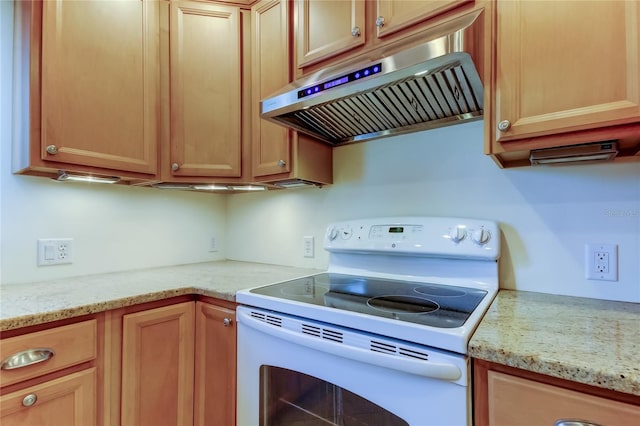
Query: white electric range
point(399, 301)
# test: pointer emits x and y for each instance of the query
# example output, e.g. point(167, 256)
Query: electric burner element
point(403, 304)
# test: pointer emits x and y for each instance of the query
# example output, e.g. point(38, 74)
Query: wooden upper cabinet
point(279, 154)
point(328, 28)
point(565, 66)
point(395, 15)
point(205, 94)
point(271, 146)
point(99, 84)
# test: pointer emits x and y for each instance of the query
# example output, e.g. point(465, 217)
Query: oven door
point(297, 371)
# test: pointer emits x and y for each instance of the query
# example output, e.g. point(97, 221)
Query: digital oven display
point(396, 230)
point(339, 81)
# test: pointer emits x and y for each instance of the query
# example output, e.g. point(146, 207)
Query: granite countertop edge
point(512, 333)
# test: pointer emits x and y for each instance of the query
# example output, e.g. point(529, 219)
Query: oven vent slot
point(269, 319)
point(377, 346)
point(322, 333)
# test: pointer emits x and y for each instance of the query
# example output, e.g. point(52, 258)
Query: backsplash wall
point(546, 214)
point(114, 227)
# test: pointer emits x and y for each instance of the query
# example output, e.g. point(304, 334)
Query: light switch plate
point(308, 246)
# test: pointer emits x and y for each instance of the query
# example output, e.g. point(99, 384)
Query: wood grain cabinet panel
point(70, 344)
point(69, 400)
point(328, 32)
point(515, 401)
point(395, 15)
point(271, 147)
point(100, 84)
point(158, 366)
point(215, 369)
point(564, 68)
point(507, 396)
point(279, 154)
point(205, 91)
point(328, 28)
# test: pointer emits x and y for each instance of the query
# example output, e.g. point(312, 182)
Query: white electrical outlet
point(308, 246)
point(55, 251)
point(601, 262)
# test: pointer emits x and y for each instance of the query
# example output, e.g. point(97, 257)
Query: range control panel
point(416, 236)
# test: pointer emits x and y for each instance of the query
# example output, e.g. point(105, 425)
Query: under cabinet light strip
point(65, 177)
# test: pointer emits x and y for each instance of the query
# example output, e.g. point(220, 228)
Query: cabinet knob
point(504, 125)
point(282, 163)
point(52, 149)
point(380, 22)
point(355, 32)
point(227, 322)
point(175, 166)
point(29, 400)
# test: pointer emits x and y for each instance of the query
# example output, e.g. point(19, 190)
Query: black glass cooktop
point(435, 305)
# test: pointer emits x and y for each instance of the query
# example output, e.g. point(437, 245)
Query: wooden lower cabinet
point(52, 374)
point(173, 362)
point(157, 366)
point(215, 379)
point(511, 397)
point(69, 400)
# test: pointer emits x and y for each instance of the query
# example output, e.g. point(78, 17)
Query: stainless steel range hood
point(430, 85)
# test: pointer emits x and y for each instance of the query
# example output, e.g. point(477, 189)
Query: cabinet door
point(69, 400)
point(395, 15)
point(327, 28)
point(271, 144)
point(215, 401)
point(100, 84)
point(546, 404)
point(205, 90)
point(157, 366)
point(565, 66)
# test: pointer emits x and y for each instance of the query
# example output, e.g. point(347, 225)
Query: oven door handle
point(435, 370)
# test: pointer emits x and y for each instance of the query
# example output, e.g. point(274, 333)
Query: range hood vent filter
point(418, 102)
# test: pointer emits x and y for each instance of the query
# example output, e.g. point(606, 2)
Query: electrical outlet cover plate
point(55, 251)
point(601, 262)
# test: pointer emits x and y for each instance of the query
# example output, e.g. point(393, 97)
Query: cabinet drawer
point(69, 400)
point(516, 401)
point(71, 344)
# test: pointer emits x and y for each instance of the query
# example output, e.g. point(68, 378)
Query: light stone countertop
point(40, 302)
point(589, 341)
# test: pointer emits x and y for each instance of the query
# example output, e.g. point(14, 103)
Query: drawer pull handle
point(574, 422)
point(26, 358)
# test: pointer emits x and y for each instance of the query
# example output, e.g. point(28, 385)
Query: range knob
point(480, 236)
point(457, 234)
point(333, 233)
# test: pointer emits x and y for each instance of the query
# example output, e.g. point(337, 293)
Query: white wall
point(114, 227)
point(547, 214)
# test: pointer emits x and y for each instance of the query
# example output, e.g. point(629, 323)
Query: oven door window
point(292, 398)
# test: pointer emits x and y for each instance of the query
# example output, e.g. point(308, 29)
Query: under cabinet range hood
point(430, 85)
